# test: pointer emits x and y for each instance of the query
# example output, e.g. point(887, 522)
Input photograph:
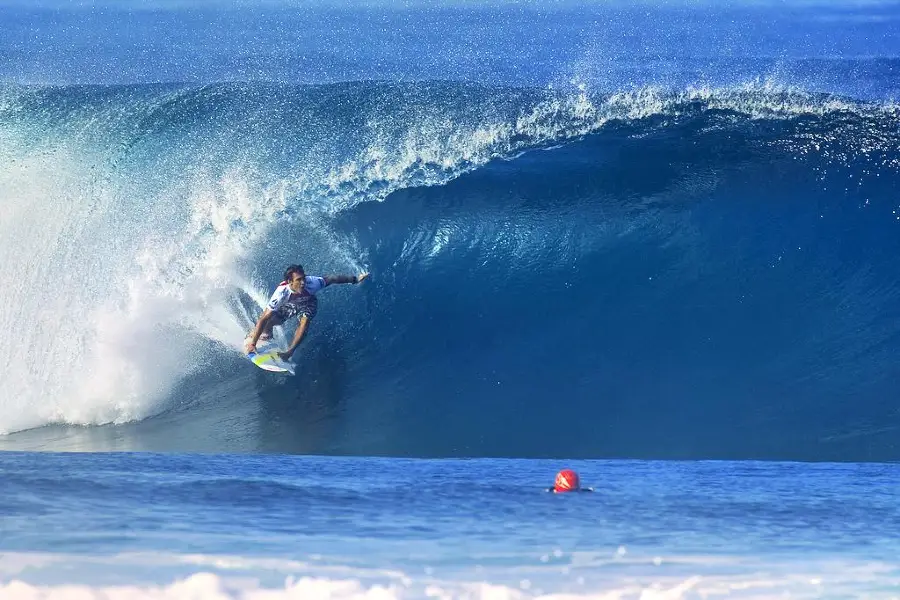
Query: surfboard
point(266, 358)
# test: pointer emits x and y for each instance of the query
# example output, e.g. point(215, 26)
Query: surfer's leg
point(275, 319)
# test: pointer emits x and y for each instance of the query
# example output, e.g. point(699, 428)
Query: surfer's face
point(296, 284)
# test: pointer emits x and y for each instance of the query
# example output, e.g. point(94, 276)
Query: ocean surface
point(100, 525)
point(656, 240)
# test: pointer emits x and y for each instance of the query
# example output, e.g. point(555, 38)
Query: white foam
point(209, 586)
point(101, 292)
point(201, 586)
point(197, 577)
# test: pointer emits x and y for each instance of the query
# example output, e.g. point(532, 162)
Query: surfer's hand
point(248, 348)
point(360, 277)
point(286, 355)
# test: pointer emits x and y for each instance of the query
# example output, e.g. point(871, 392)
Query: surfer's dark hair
point(289, 272)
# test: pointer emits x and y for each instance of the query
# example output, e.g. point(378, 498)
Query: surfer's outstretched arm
point(298, 337)
point(329, 279)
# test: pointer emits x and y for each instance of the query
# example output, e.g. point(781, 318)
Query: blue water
point(240, 524)
point(655, 241)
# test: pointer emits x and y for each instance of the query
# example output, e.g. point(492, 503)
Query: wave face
point(701, 273)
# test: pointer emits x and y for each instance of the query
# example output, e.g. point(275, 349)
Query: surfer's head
point(566, 481)
point(295, 278)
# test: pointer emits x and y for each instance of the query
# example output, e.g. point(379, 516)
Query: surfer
point(295, 296)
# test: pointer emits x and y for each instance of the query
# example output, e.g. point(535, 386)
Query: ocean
point(655, 240)
point(109, 525)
